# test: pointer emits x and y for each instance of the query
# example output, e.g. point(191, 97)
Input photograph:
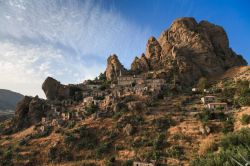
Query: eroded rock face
point(114, 68)
point(29, 111)
point(53, 89)
point(153, 53)
point(189, 50)
point(140, 64)
point(200, 49)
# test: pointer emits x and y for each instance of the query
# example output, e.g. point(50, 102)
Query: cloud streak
point(69, 40)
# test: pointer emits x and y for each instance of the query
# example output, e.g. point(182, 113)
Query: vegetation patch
point(245, 119)
point(233, 149)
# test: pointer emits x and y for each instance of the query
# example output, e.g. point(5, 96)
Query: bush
point(233, 146)
point(163, 123)
point(228, 125)
point(70, 138)
point(202, 84)
point(207, 115)
point(71, 124)
point(175, 151)
point(45, 133)
point(245, 119)
point(58, 155)
point(244, 101)
point(91, 109)
point(6, 159)
point(159, 141)
point(128, 163)
point(81, 138)
point(103, 148)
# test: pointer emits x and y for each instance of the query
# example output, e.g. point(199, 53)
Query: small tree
point(202, 84)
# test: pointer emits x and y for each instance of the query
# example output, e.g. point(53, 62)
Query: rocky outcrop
point(29, 111)
point(114, 68)
point(54, 90)
point(189, 50)
point(153, 53)
point(140, 64)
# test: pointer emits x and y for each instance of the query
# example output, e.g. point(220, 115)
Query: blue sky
point(70, 40)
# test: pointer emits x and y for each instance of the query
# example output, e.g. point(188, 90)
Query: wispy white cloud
point(69, 40)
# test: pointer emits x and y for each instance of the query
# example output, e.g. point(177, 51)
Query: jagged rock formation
point(114, 67)
point(53, 89)
point(140, 64)
point(187, 51)
point(29, 111)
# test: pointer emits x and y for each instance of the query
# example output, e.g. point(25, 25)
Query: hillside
point(9, 99)
point(185, 101)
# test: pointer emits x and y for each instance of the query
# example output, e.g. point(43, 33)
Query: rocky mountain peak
point(187, 49)
point(114, 67)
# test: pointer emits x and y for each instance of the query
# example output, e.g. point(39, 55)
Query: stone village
point(70, 110)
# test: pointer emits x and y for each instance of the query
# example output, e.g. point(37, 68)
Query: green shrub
point(58, 154)
point(102, 149)
point(175, 151)
point(91, 109)
point(163, 123)
point(70, 138)
point(81, 138)
point(128, 163)
point(159, 141)
point(228, 125)
point(7, 157)
point(207, 115)
point(245, 119)
point(71, 124)
point(47, 131)
point(244, 101)
point(233, 146)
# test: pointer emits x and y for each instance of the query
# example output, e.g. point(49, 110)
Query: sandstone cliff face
point(189, 50)
point(114, 67)
point(29, 111)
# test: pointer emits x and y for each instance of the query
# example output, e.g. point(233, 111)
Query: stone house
point(138, 163)
point(93, 86)
point(129, 80)
point(214, 106)
point(125, 80)
point(208, 99)
point(156, 84)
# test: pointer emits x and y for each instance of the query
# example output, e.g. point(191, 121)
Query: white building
point(208, 99)
point(213, 106)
